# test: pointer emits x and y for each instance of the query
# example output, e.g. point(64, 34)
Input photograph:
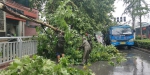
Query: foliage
point(0, 53)
point(138, 38)
point(99, 12)
point(70, 12)
point(30, 66)
point(145, 43)
point(36, 4)
point(105, 53)
point(73, 41)
point(47, 43)
point(81, 15)
point(74, 17)
point(136, 8)
point(133, 7)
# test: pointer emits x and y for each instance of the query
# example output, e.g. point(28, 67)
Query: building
point(15, 26)
point(145, 30)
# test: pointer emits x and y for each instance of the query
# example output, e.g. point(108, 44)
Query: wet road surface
point(137, 63)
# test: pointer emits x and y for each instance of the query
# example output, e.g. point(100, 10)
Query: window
point(120, 31)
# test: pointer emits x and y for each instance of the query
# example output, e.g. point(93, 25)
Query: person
point(60, 46)
point(89, 39)
point(87, 48)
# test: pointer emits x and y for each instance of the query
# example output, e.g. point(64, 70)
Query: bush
point(104, 53)
point(145, 43)
point(137, 37)
point(40, 66)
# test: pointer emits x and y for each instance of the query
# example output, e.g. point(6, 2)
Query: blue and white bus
point(121, 35)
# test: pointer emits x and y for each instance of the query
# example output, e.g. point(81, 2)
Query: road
point(138, 63)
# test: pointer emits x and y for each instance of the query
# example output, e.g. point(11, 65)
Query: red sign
point(144, 28)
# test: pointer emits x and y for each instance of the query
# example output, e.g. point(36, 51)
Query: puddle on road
point(137, 64)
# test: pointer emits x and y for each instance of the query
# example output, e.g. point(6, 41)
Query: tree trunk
point(133, 25)
point(141, 27)
point(140, 17)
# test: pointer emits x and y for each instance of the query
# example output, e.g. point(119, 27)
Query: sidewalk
point(145, 50)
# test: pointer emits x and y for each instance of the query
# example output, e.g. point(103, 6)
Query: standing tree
point(130, 5)
point(141, 10)
point(135, 8)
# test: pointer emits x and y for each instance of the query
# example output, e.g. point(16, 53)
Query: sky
point(120, 8)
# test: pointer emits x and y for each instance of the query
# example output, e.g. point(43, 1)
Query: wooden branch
point(5, 8)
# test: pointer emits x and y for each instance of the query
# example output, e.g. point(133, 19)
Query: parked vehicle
point(121, 35)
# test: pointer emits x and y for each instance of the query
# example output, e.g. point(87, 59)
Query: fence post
point(7, 52)
point(4, 52)
point(20, 46)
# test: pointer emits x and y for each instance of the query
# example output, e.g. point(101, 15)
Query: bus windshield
point(121, 31)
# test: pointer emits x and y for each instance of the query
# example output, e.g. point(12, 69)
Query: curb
point(141, 49)
point(4, 65)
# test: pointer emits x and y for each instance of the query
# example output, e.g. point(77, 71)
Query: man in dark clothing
point(60, 46)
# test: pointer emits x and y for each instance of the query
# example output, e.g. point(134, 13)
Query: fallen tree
point(5, 8)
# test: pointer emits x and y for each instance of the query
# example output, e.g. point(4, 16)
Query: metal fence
point(12, 47)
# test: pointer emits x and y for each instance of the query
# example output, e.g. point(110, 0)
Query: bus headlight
point(131, 40)
point(113, 41)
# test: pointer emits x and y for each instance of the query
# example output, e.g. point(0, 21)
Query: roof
point(120, 26)
point(144, 24)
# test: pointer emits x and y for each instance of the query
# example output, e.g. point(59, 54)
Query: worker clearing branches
point(60, 46)
point(87, 49)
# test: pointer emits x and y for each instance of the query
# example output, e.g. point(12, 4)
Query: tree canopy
point(81, 15)
point(136, 8)
point(75, 17)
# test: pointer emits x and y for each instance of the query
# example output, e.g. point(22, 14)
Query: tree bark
point(133, 25)
point(141, 27)
point(140, 17)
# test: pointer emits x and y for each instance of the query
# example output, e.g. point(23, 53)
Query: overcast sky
point(120, 8)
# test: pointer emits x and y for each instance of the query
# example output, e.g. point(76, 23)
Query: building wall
point(145, 32)
point(22, 28)
point(30, 29)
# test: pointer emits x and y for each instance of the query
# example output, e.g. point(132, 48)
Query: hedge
point(145, 43)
